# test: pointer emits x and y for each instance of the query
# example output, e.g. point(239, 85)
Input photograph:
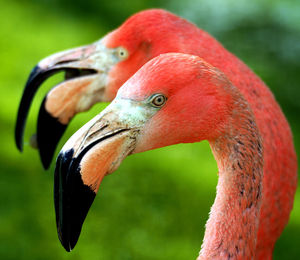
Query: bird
point(95, 72)
point(171, 91)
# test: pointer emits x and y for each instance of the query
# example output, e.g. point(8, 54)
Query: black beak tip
point(36, 78)
point(66, 243)
point(72, 199)
point(19, 143)
point(49, 132)
point(69, 232)
point(68, 249)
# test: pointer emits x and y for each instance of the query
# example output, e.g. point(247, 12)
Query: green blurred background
point(156, 204)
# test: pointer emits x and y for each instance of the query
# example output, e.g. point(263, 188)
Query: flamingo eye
point(158, 100)
point(122, 53)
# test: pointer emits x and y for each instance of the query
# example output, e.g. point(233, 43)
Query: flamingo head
point(95, 72)
point(174, 98)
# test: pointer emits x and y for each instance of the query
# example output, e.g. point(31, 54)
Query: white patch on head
point(104, 58)
point(133, 113)
point(130, 113)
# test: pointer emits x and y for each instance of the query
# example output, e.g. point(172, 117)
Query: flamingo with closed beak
point(174, 98)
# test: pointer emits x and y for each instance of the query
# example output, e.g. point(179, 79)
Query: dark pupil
point(159, 100)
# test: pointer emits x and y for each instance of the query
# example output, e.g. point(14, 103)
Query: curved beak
point(94, 151)
point(86, 70)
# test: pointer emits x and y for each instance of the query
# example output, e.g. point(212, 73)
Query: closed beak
point(94, 151)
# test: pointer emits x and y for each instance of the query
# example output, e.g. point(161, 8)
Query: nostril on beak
point(65, 61)
point(74, 73)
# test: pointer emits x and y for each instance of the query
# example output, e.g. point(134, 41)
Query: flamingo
point(95, 72)
point(174, 98)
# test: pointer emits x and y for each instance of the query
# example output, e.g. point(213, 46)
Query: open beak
point(95, 150)
point(86, 69)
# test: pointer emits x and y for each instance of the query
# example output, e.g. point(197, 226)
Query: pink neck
point(231, 230)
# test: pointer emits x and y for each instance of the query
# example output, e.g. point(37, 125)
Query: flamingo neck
point(231, 230)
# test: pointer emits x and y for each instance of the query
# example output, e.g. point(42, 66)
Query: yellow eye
point(158, 100)
point(122, 53)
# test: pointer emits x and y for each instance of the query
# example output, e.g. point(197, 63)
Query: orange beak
point(86, 69)
point(94, 151)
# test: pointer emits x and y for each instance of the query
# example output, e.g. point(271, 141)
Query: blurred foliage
point(155, 206)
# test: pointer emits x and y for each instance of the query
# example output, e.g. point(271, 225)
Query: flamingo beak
point(94, 151)
point(86, 69)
